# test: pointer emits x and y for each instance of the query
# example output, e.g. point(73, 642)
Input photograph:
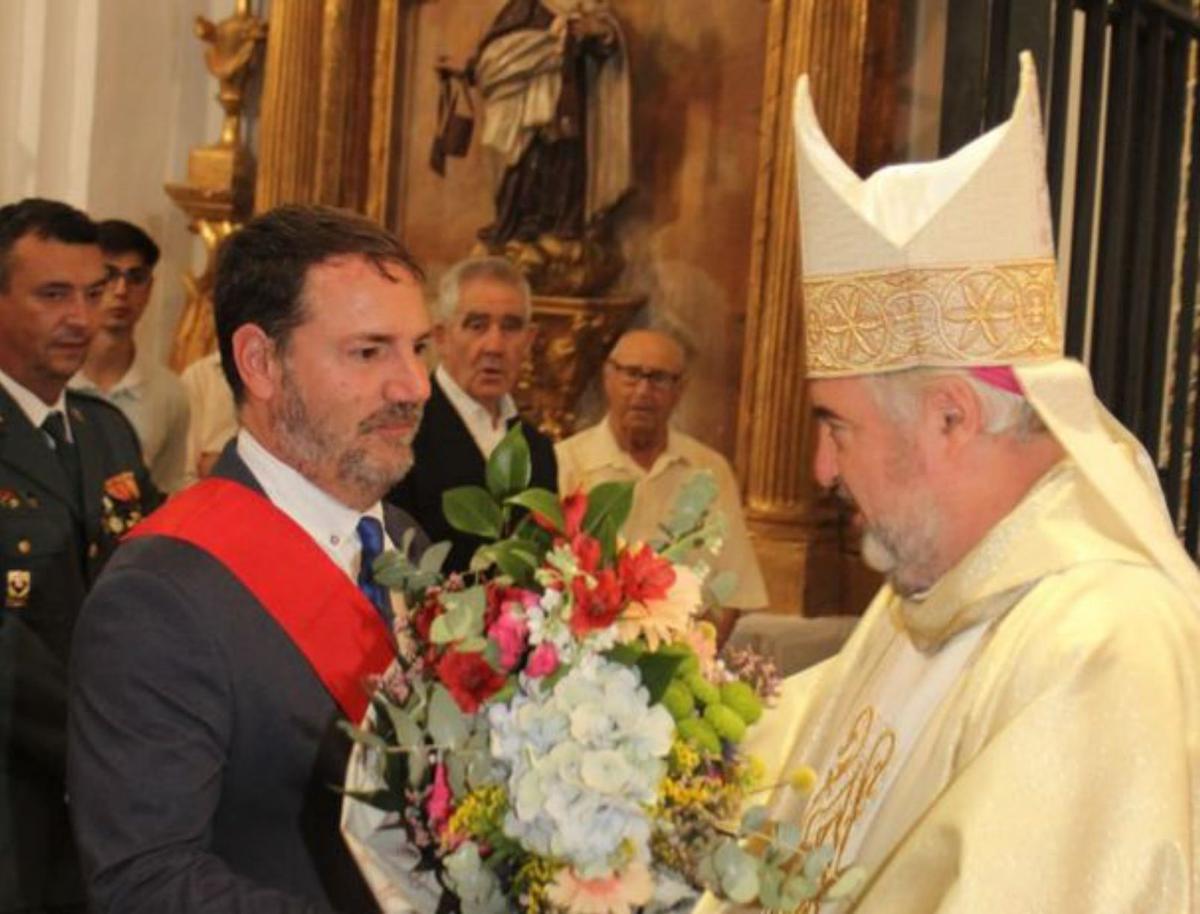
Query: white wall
point(103, 99)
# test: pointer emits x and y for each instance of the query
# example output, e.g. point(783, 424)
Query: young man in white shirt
point(147, 392)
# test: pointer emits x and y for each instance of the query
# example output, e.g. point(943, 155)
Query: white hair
point(497, 268)
point(1004, 413)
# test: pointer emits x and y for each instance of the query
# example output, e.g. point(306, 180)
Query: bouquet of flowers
point(558, 733)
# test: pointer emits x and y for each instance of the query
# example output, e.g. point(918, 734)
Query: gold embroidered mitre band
point(932, 264)
point(887, 320)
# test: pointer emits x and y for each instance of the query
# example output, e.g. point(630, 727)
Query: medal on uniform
point(16, 592)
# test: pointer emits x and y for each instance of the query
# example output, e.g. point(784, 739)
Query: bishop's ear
point(953, 411)
point(257, 361)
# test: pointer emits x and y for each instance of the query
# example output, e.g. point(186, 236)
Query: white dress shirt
point(486, 431)
point(35, 408)
point(152, 399)
point(331, 524)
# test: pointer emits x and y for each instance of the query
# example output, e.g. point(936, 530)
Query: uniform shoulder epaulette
point(99, 407)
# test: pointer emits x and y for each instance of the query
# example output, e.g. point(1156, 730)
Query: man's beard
point(311, 446)
point(904, 545)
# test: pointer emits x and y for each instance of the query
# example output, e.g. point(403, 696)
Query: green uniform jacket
point(51, 550)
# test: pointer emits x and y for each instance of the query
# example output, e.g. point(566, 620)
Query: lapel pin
point(16, 593)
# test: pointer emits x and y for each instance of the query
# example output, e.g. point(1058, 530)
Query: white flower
point(584, 761)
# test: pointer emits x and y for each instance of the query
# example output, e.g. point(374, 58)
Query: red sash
point(327, 617)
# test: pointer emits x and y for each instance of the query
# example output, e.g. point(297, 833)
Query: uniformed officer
point(71, 483)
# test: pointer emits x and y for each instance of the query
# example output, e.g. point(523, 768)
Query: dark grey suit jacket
point(203, 751)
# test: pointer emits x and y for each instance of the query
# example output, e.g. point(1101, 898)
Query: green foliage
point(542, 501)
point(658, 671)
point(463, 618)
point(608, 506)
point(510, 467)
point(692, 504)
point(448, 726)
point(471, 509)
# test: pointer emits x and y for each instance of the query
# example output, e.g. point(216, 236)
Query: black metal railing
point(1123, 161)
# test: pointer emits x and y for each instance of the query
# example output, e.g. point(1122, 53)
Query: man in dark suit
point(71, 482)
point(217, 654)
point(483, 330)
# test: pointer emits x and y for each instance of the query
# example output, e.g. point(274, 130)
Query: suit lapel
point(24, 449)
point(457, 445)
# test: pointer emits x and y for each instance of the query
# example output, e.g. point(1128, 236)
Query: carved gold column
point(794, 528)
point(287, 148)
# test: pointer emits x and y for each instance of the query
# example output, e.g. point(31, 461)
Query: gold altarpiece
point(331, 110)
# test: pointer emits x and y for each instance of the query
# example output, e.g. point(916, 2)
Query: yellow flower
point(618, 893)
point(803, 779)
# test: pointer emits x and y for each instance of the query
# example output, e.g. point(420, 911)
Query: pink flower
point(543, 661)
point(510, 633)
point(619, 893)
point(437, 807)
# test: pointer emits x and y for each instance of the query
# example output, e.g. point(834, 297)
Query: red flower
point(645, 575)
point(574, 507)
point(595, 607)
point(587, 551)
point(470, 678)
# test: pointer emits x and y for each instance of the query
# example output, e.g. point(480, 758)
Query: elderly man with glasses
point(146, 391)
point(644, 379)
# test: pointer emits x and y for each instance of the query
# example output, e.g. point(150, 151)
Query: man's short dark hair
point(262, 267)
point(48, 219)
point(120, 237)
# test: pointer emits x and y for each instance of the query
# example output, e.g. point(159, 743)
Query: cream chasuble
point(1023, 738)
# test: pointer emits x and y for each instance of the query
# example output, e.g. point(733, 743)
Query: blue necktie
point(370, 534)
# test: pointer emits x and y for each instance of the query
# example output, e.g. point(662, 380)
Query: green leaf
point(433, 558)
point(474, 645)
point(392, 569)
point(692, 503)
point(510, 467)
point(753, 819)
point(738, 873)
point(626, 654)
point(608, 506)
point(847, 884)
point(380, 799)
point(721, 586)
point(543, 501)
point(788, 836)
point(770, 886)
point(657, 672)
point(456, 773)
point(471, 509)
point(368, 738)
point(817, 861)
point(448, 726)
point(463, 618)
point(409, 736)
point(799, 889)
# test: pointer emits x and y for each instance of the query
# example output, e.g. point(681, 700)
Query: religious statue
point(554, 80)
point(231, 46)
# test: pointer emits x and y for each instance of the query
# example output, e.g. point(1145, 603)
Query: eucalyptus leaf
point(817, 861)
point(541, 501)
point(471, 509)
point(380, 799)
point(753, 819)
point(510, 466)
point(514, 560)
point(799, 889)
point(392, 569)
point(473, 645)
point(368, 738)
point(456, 773)
point(788, 836)
point(847, 884)
point(770, 888)
point(406, 540)
point(433, 558)
point(722, 585)
point(608, 506)
point(692, 503)
point(448, 726)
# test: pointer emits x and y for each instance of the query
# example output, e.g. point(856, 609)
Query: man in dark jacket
point(215, 658)
point(483, 330)
point(71, 483)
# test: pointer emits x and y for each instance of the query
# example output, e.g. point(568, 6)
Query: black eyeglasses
point(656, 378)
point(134, 276)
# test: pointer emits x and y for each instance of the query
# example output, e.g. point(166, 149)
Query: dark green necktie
point(55, 426)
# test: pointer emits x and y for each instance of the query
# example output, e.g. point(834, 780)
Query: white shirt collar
point(331, 524)
point(609, 451)
point(34, 408)
point(129, 385)
point(475, 415)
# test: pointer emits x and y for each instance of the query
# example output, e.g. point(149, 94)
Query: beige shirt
point(152, 399)
point(214, 418)
point(593, 456)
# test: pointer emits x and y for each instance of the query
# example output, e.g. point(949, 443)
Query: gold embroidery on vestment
point(968, 315)
point(847, 787)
